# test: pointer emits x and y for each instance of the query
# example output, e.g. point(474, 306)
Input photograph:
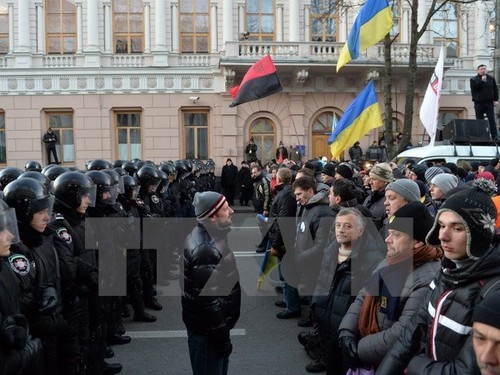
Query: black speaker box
point(460, 130)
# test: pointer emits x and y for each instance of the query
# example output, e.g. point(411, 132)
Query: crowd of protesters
point(384, 266)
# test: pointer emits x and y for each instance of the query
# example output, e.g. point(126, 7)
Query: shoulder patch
point(58, 216)
point(64, 235)
point(155, 199)
point(20, 264)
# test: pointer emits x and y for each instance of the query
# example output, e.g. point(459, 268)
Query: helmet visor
point(9, 233)
point(89, 193)
point(42, 204)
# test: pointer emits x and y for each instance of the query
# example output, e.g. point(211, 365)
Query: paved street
point(262, 343)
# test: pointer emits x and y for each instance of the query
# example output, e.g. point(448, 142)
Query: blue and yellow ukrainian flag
point(372, 24)
point(362, 115)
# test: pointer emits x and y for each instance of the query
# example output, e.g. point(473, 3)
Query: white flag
point(430, 106)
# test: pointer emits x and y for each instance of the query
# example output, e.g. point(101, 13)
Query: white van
point(445, 152)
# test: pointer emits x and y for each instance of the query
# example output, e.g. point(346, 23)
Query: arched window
point(262, 131)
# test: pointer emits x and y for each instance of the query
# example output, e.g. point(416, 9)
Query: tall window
point(128, 26)
point(260, 21)
point(62, 124)
point(128, 128)
point(3, 148)
point(195, 26)
point(324, 21)
point(262, 131)
point(195, 134)
point(61, 26)
point(4, 27)
point(445, 27)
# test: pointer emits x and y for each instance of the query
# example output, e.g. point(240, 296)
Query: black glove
point(47, 300)
point(13, 333)
point(32, 356)
point(222, 344)
point(349, 347)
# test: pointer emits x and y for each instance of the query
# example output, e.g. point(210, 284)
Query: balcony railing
point(320, 52)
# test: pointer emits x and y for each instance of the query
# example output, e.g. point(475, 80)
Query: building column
point(79, 26)
point(175, 26)
point(227, 22)
point(10, 5)
point(279, 23)
point(481, 23)
point(40, 28)
point(307, 23)
point(404, 25)
point(160, 26)
point(147, 26)
point(242, 28)
point(23, 26)
point(92, 27)
point(293, 20)
point(108, 31)
point(213, 28)
point(422, 14)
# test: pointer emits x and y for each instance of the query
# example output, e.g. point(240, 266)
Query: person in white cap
point(211, 298)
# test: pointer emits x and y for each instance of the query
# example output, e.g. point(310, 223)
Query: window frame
point(260, 36)
point(195, 35)
point(196, 141)
point(125, 39)
point(60, 131)
point(331, 13)
point(117, 127)
point(439, 39)
point(61, 35)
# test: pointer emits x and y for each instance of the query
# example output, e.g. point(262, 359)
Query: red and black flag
point(260, 81)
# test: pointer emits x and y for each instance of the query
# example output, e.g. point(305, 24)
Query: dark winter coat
point(373, 348)
point(375, 203)
point(442, 344)
point(483, 91)
point(212, 294)
point(284, 206)
point(261, 194)
point(229, 176)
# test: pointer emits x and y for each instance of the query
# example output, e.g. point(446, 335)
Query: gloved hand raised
point(349, 346)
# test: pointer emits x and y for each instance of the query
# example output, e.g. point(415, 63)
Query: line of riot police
point(52, 318)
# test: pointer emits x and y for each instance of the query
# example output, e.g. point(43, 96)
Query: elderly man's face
point(486, 342)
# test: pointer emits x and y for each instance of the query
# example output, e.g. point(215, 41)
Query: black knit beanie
point(487, 311)
point(478, 213)
point(412, 218)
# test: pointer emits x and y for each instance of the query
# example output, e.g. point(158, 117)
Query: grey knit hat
point(382, 172)
point(432, 172)
point(207, 204)
point(408, 189)
point(445, 182)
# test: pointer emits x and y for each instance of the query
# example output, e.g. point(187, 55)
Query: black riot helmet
point(148, 176)
point(33, 165)
point(54, 172)
point(44, 180)
point(9, 174)
point(116, 178)
point(27, 196)
point(106, 191)
point(118, 163)
point(181, 167)
point(120, 171)
point(163, 182)
point(98, 165)
point(71, 187)
point(168, 168)
point(130, 168)
point(130, 187)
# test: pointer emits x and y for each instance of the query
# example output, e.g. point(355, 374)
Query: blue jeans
point(204, 359)
point(292, 298)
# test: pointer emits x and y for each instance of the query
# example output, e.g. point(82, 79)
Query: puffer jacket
point(333, 294)
point(438, 338)
point(212, 294)
point(373, 348)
